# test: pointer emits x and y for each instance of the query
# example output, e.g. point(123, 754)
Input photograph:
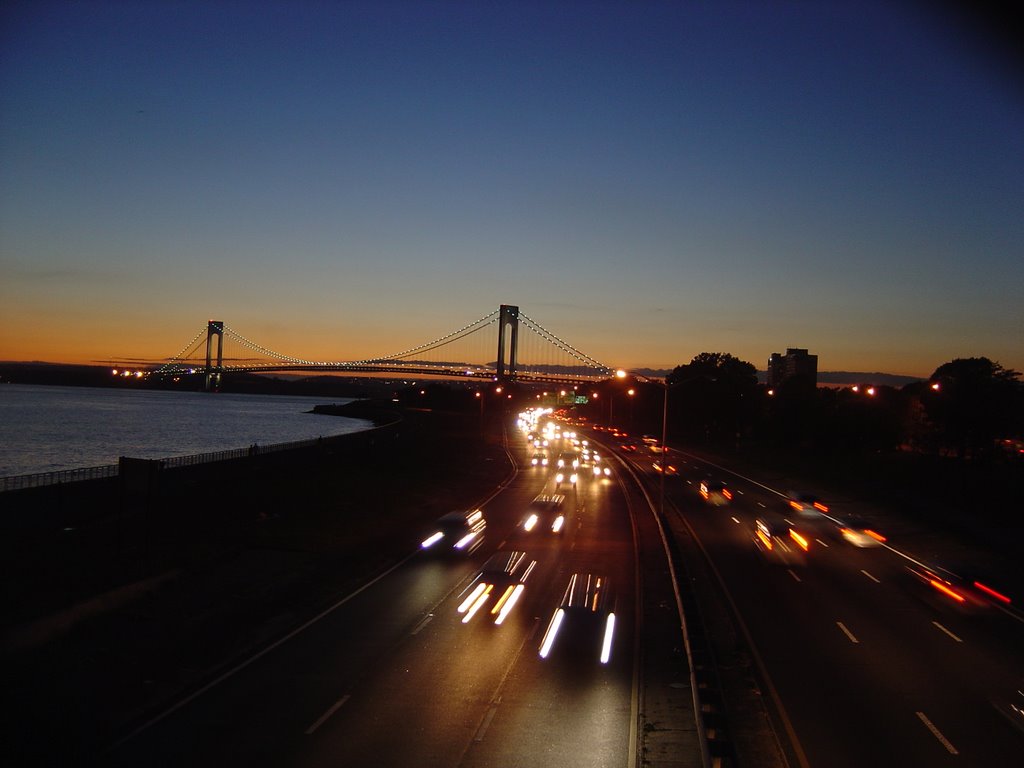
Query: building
point(796, 362)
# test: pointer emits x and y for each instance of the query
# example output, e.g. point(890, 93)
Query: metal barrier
point(39, 479)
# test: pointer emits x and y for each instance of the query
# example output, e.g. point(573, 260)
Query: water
point(43, 428)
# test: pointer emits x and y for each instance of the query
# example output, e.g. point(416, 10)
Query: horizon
point(830, 376)
point(651, 182)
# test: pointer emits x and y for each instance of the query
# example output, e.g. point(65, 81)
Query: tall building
point(796, 362)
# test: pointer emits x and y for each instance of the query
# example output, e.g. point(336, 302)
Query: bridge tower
point(508, 330)
point(214, 328)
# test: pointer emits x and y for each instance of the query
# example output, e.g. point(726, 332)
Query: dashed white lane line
point(736, 521)
point(847, 632)
point(937, 733)
point(822, 543)
point(484, 725)
point(422, 624)
point(958, 639)
point(793, 574)
point(877, 581)
point(323, 718)
point(760, 503)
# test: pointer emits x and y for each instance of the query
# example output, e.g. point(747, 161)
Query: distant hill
point(847, 378)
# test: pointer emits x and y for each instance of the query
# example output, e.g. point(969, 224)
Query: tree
point(974, 402)
point(714, 396)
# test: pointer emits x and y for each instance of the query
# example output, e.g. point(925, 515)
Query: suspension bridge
point(504, 345)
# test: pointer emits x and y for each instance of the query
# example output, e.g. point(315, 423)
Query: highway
point(390, 675)
point(864, 664)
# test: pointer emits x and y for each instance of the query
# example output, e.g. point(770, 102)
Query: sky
point(341, 180)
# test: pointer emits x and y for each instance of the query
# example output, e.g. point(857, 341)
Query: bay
point(49, 428)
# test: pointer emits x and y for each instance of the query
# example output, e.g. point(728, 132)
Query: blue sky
point(648, 180)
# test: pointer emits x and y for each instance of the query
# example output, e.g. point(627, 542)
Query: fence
point(40, 479)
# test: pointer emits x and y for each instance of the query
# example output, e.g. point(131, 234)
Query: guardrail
point(40, 479)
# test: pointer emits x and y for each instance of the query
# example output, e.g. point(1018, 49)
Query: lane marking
point(760, 504)
point(736, 521)
point(937, 733)
point(323, 718)
point(822, 543)
point(496, 696)
point(789, 521)
point(791, 573)
point(877, 581)
point(959, 640)
point(484, 725)
point(847, 632)
point(422, 624)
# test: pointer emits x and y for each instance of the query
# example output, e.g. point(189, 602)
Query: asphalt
point(136, 608)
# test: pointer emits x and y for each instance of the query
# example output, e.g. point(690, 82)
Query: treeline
point(970, 408)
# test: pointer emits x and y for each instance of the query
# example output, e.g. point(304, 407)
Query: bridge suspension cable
point(565, 346)
point(188, 349)
point(542, 356)
point(271, 353)
point(466, 330)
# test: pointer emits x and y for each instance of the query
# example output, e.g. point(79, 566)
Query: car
point(545, 513)
point(860, 537)
point(806, 504)
point(565, 477)
point(955, 589)
point(715, 492)
point(583, 624)
point(539, 459)
point(567, 460)
point(500, 583)
point(457, 532)
point(778, 541)
point(668, 469)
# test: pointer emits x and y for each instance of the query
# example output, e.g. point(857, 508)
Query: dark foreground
point(117, 600)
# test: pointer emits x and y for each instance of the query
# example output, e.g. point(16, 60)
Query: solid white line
point(790, 572)
point(877, 581)
point(822, 543)
point(847, 632)
point(937, 733)
point(959, 640)
point(422, 624)
point(257, 656)
point(334, 708)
